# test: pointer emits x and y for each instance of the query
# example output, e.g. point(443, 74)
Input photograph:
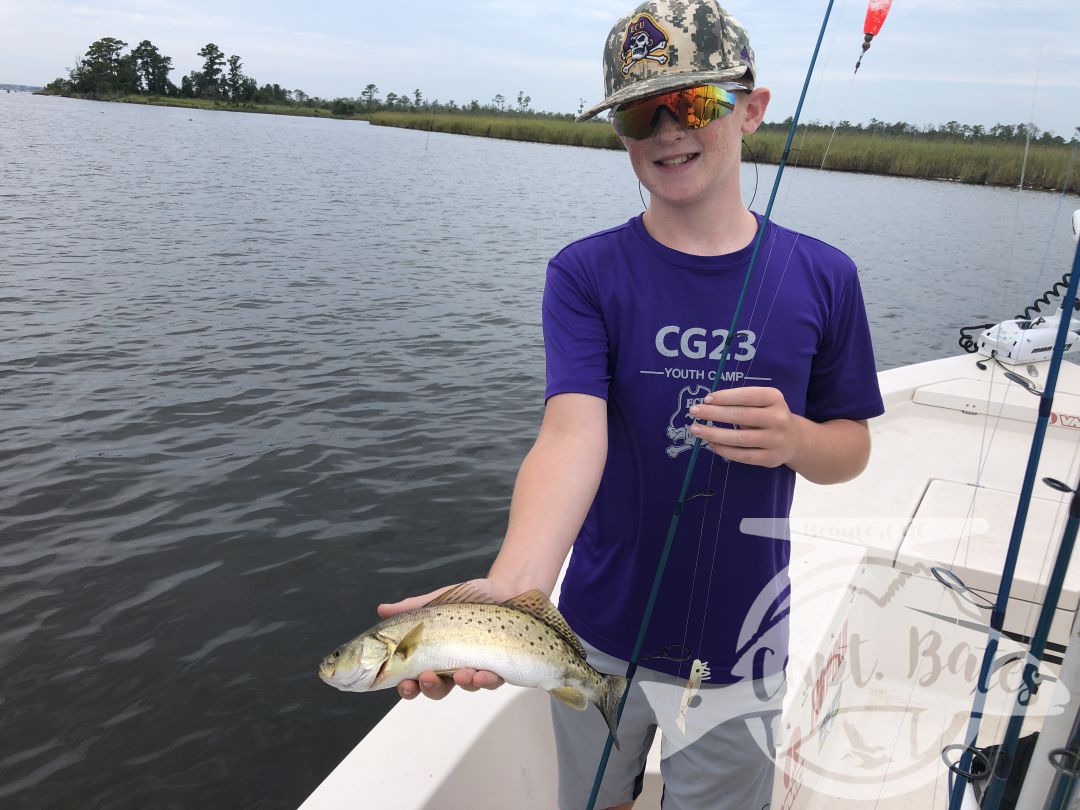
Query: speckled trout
point(524, 640)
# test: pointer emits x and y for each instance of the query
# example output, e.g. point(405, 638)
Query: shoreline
point(976, 163)
point(985, 163)
point(216, 106)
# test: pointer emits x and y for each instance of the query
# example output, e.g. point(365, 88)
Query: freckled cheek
point(638, 160)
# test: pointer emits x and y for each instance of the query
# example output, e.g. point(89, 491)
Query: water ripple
point(261, 374)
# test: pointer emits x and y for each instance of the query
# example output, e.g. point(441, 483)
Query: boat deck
point(941, 491)
point(883, 656)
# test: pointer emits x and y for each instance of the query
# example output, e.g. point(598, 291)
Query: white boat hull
point(883, 656)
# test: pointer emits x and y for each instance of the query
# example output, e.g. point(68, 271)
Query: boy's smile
point(679, 160)
point(680, 166)
point(683, 167)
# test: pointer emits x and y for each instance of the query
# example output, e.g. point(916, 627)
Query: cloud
point(932, 59)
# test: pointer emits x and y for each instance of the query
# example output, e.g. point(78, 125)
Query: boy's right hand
point(436, 686)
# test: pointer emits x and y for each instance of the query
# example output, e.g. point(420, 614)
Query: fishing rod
point(1004, 759)
point(997, 615)
point(1067, 764)
point(635, 656)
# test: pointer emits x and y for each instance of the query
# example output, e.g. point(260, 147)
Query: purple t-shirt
point(642, 326)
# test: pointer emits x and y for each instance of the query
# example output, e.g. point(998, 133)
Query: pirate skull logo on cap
point(666, 45)
point(644, 40)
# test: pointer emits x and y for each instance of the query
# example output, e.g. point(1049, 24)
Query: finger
point(388, 609)
point(487, 680)
point(726, 437)
point(473, 679)
point(743, 415)
point(464, 679)
point(755, 396)
point(408, 689)
point(743, 455)
point(434, 687)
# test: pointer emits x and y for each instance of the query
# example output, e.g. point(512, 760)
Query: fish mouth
point(340, 681)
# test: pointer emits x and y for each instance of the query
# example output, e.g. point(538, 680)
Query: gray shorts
point(722, 761)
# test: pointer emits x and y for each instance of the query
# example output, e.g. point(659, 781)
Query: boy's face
point(685, 166)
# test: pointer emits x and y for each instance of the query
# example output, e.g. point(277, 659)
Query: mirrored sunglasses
point(693, 108)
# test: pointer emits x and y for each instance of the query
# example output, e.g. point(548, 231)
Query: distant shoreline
point(221, 106)
point(973, 163)
point(978, 163)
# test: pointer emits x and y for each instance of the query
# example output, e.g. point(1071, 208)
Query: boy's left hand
point(766, 433)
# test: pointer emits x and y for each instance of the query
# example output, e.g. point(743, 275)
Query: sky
point(972, 61)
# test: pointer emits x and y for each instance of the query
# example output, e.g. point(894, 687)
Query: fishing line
point(1056, 530)
point(984, 455)
point(697, 559)
point(750, 362)
point(749, 367)
point(1031, 679)
point(1035, 453)
point(997, 618)
point(843, 106)
point(983, 452)
point(727, 469)
point(963, 535)
point(969, 515)
point(1011, 274)
point(1034, 99)
point(819, 81)
point(1060, 286)
point(695, 451)
point(1035, 308)
point(712, 460)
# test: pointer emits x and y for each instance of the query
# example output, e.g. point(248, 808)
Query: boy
point(635, 321)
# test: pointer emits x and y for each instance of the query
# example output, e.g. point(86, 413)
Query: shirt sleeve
point(575, 336)
point(843, 376)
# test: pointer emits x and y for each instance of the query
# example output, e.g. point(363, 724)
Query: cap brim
point(664, 83)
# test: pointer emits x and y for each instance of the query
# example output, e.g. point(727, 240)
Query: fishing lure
point(699, 671)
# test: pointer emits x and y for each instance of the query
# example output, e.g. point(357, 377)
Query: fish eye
point(336, 653)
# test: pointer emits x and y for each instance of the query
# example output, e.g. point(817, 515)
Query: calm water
point(260, 373)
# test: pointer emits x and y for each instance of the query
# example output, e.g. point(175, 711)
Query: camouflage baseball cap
point(666, 45)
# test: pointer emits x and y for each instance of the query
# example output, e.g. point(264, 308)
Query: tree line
point(952, 131)
point(106, 72)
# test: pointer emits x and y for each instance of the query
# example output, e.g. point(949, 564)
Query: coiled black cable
point(1044, 300)
point(968, 342)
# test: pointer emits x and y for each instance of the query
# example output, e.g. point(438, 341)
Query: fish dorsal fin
point(406, 646)
point(536, 604)
point(465, 593)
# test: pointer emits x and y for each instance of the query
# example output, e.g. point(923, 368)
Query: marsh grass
point(975, 162)
point(596, 134)
point(225, 106)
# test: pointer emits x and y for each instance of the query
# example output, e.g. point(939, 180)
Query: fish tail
point(608, 699)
